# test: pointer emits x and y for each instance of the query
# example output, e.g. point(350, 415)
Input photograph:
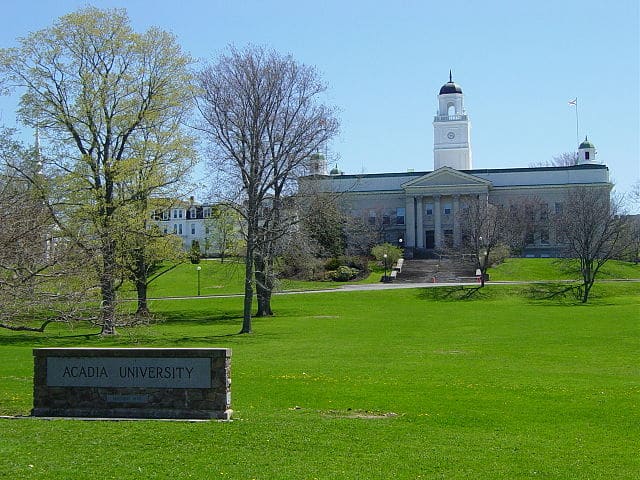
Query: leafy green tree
point(225, 233)
point(392, 252)
point(96, 88)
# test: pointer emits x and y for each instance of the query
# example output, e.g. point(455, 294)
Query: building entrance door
point(430, 239)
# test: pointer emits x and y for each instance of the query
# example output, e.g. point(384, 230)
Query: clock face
point(451, 135)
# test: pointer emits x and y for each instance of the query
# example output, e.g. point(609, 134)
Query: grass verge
point(386, 384)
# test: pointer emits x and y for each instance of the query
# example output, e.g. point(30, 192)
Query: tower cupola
point(450, 86)
point(586, 152)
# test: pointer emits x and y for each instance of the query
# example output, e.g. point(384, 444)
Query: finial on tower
point(450, 76)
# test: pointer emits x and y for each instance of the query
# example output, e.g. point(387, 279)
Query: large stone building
point(419, 210)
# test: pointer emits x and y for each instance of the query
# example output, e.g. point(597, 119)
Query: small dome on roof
point(450, 86)
point(586, 144)
point(335, 171)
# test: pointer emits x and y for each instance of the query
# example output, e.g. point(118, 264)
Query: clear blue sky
point(518, 62)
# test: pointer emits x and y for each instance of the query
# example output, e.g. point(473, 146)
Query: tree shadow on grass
point(555, 293)
point(45, 339)
point(453, 294)
point(567, 294)
point(162, 328)
point(197, 318)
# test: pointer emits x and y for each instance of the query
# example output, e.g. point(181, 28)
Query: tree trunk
point(264, 286)
point(248, 285)
point(141, 284)
point(108, 287)
point(108, 309)
point(143, 307)
point(264, 283)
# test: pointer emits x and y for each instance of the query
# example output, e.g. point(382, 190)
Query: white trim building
point(419, 210)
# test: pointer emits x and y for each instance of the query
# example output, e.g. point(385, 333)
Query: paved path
point(385, 286)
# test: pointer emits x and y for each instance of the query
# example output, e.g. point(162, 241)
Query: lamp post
point(482, 260)
point(198, 268)
point(385, 279)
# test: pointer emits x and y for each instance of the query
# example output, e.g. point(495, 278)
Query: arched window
point(451, 110)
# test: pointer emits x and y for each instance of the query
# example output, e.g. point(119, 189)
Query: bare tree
point(485, 227)
point(262, 113)
point(42, 276)
point(634, 196)
point(564, 159)
point(92, 85)
point(593, 231)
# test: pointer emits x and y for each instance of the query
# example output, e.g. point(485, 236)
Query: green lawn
point(225, 278)
point(535, 269)
point(386, 384)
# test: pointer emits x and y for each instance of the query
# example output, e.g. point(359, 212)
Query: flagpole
point(574, 103)
point(577, 130)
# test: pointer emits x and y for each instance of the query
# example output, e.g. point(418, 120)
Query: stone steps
point(428, 271)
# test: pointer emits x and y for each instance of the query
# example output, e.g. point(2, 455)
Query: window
point(372, 217)
point(429, 208)
point(193, 229)
point(206, 212)
point(400, 216)
point(447, 209)
point(448, 238)
point(544, 211)
point(529, 239)
point(180, 213)
point(165, 230)
point(386, 220)
point(165, 214)
point(179, 229)
point(175, 213)
point(175, 228)
point(544, 236)
point(558, 208)
point(192, 212)
point(586, 155)
point(529, 211)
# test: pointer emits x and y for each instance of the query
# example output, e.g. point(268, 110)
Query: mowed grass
point(223, 278)
point(360, 385)
point(550, 269)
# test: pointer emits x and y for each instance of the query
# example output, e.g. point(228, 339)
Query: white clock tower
point(451, 130)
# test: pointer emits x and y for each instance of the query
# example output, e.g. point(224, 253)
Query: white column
point(457, 233)
point(419, 222)
point(409, 223)
point(436, 220)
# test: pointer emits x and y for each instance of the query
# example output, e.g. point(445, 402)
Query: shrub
point(343, 274)
point(498, 254)
point(333, 264)
point(393, 253)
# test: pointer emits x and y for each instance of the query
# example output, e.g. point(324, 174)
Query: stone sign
point(132, 382)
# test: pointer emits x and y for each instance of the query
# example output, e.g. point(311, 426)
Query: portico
point(433, 204)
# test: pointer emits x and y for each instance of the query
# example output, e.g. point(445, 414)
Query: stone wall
point(173, 383)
